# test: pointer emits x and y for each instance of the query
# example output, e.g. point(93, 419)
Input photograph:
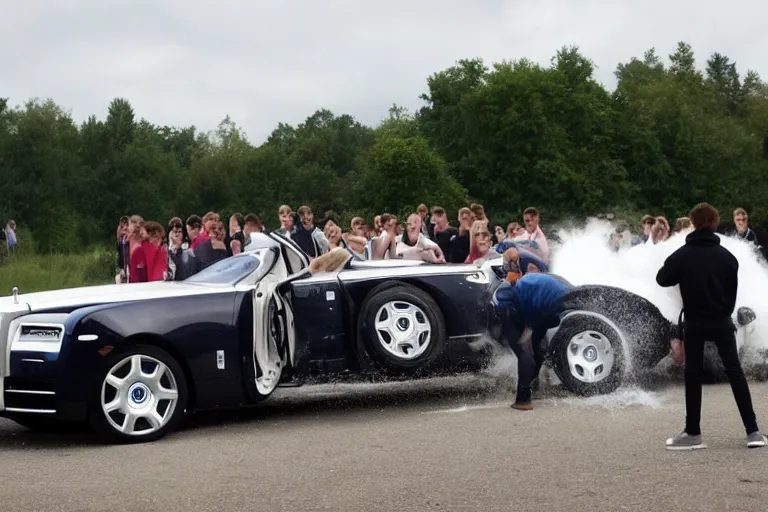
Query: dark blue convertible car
point(131, 360)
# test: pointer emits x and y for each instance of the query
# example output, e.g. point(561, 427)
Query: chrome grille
point(29, 396)
point(37, 337)
point(41, 333)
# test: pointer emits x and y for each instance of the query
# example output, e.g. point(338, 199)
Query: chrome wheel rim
point(403, 329)
point(590, 357)
point(139, 395)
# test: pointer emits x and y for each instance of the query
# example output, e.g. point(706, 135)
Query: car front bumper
point(31, 376)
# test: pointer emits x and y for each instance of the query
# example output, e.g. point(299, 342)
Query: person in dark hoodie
point(708, 277)
point(191, 261)
point(311, 239)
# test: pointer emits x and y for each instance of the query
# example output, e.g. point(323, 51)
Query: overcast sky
point(184, 62)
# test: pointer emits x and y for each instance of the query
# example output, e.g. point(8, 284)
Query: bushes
point(99, 265)
point(34, 273)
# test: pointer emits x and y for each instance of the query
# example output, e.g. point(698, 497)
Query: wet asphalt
point(445, 444)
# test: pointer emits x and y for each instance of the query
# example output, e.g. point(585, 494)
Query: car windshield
point(227, 271)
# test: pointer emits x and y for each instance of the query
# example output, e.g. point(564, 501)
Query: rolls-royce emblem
point(15, 295)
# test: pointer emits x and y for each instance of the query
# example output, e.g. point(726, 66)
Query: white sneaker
point(683, 441)
point(755, 440)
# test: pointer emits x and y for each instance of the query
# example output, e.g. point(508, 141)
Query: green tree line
point(509, 135)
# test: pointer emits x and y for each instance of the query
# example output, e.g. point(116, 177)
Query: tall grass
point(32, 272)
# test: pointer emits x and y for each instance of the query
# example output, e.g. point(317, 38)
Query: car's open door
point(269, 343)
point(274, 337)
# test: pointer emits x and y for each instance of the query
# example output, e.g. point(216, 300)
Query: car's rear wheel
point(588, 355)
point(402, 326)
point(140, 395)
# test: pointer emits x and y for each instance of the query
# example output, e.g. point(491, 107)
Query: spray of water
point(585, 257)
point(619, 399)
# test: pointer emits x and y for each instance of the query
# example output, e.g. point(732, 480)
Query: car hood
point(92, 295)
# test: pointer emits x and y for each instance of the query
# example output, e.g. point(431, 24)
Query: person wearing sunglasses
point(480, 243)
point(528, 306)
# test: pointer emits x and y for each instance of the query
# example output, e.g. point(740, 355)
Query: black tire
point(97, 416)
point(402, 293)
point(573, 326)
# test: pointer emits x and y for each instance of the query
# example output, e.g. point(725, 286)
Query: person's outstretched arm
point(669, 273)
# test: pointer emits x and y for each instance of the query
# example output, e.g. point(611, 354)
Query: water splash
point(585, 257)
point(502, 362)
point(620, 399)
point(465, 408)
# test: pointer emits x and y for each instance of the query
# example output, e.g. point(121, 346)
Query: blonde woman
point(136, 233)
point(480, 243)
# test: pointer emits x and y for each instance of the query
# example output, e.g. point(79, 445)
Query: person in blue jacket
point(529, 305)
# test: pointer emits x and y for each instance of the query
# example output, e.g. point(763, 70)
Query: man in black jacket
point(708, 277)
point(191, 261)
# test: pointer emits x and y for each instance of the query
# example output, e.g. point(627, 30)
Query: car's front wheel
point(140, 395)
point(588, 355)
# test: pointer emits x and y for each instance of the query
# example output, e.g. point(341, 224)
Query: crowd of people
point(657, 229)
point(147, 251)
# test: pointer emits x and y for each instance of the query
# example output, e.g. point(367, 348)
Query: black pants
point(530, 357)
point(723, 333)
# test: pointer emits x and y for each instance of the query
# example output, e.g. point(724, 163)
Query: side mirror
point(745, 316)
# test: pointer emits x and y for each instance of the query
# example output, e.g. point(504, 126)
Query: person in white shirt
point(414, 245)
point(357, 243)
point(384, 246)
